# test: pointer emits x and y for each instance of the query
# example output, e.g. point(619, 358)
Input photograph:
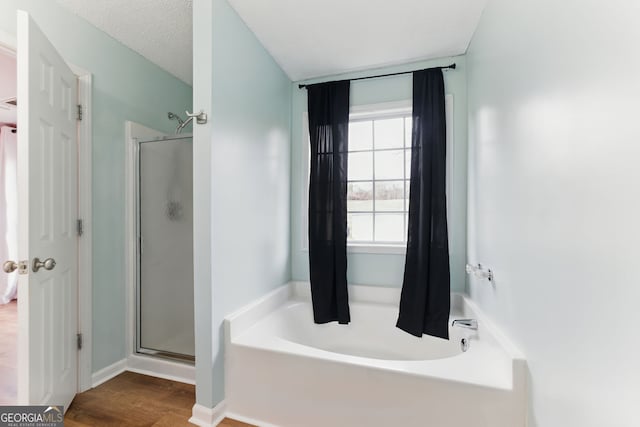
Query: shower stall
point(164, 288)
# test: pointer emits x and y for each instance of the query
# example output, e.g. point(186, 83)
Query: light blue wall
point(386, 269)
point(125, 87)
point(250, 178)
point(202, 285)
point(554, 201)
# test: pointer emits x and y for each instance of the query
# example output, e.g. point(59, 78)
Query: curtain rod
point(446, 67)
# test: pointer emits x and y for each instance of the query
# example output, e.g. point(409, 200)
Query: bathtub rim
point(240, 320)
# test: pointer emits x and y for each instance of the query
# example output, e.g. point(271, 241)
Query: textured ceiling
point(159, 30)
point(312, 38)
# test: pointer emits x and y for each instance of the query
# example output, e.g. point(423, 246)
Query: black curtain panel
point(328, 129)
point(425, 300)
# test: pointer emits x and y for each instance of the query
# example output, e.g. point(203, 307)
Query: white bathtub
point(284, 370)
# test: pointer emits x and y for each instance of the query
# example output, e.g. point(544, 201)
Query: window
point(378, 175)
point(378, 179)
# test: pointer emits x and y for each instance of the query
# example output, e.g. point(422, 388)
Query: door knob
point(47, 264)
point(10, 266)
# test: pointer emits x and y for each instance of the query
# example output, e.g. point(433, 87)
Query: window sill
point(360, 248)
point(363, 248)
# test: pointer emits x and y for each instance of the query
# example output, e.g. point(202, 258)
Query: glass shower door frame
point(139, 245)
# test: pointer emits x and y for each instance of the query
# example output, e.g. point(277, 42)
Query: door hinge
point(80, 227)
point(79, 112)
point(79, 341)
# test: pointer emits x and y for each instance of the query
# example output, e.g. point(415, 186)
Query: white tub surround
point(284, 370)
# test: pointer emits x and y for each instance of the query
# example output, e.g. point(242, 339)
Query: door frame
point(8, 44)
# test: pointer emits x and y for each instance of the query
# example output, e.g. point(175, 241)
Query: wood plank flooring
point(8, 353)
point(131, 399)
point(228, 422)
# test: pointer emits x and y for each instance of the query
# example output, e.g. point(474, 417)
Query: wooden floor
point(8, 352)
point(136, 400)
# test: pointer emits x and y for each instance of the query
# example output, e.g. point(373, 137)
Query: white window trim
point(365, 112)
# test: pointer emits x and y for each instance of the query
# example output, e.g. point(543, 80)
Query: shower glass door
point(165, 251)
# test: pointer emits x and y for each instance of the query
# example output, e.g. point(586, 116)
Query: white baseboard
point(208, 417)
point(105, 374)
point(174, 371)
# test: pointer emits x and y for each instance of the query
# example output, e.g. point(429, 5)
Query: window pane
point(390, 227)
point(388, 133)
point(389, 164)
point(407, 131)
point(360, 166)
point(407, 189)
point(360, 227)
point(360, 196)
point(407, 159)
point(360, 136)
point(390, 196)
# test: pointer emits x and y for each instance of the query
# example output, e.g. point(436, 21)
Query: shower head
point(174, 116)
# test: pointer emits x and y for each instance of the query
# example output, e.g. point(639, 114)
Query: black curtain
point(425, 300)
point(328, 129)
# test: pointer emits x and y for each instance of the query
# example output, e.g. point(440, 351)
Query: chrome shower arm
point(184, 124)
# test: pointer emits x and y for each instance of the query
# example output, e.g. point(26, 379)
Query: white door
point(47, 212)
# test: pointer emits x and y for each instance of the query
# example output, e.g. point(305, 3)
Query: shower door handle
point(47, 264)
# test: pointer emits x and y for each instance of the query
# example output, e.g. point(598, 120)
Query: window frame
point(375, 212)
point(373, 112)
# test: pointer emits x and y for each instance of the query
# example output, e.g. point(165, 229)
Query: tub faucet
point(466, 323)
